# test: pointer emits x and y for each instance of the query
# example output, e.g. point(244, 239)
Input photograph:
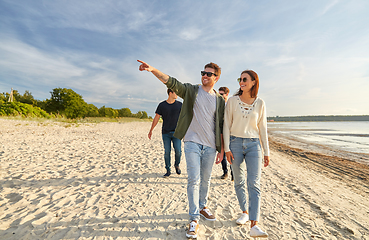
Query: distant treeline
point(321, 118)
point(62, 103)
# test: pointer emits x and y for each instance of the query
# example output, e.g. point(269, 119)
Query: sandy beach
point(104, 181)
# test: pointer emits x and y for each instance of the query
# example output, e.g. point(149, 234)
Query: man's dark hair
point(169, 91)
point(214, 66)
point(224, 89)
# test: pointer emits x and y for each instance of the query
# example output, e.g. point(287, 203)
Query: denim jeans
point(224, 165)
point(200, 160)
point(247, 157)
point(167, 139)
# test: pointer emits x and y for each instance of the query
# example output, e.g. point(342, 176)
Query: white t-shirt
point(202, 127)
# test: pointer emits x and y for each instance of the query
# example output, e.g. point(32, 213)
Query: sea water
point(349, 136)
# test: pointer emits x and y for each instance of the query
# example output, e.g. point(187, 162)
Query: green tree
point(92, 111)
point(16, 96)
point(124, 112)
point(5, 96)
point(21, 109)
point(108, 112)
point(102, 111)
point(141, 115)
point(2, 98)
point(41, 104)
point(27, 98)
point(144, 115)
point(67, 102)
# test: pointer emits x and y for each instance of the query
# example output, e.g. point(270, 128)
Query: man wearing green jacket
point(200, 125)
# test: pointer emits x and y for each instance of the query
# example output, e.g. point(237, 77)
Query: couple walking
point(203, 122)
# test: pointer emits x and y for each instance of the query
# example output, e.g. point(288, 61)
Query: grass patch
point(105, 119)
point(45, 121)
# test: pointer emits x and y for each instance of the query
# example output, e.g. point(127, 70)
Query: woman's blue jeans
point(200, 160)
point(247, 155)
point(168, 138)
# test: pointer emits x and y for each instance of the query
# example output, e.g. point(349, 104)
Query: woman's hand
point(266, 161)
point(229, 157)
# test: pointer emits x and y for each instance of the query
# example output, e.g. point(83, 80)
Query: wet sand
point(104, 181)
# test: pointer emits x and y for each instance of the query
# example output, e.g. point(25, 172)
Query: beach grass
point(76, 121)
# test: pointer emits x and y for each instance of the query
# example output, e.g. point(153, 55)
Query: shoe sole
point(242, 223)
point(261, 236)
point(191, 236)
point(238, 223)
point(212, 220)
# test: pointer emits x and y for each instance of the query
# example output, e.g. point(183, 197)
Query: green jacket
point(188, 93)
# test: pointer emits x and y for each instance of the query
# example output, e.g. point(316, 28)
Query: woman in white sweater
point(245, 127)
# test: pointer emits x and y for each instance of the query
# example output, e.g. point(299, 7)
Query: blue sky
point(312, 57)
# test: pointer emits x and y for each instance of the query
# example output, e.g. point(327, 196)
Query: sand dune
point(104, 181)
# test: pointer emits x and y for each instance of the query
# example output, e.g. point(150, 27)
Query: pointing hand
point(144, 66)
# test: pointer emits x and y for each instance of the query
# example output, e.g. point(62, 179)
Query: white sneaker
point(255, 232)
point(243, 219)
point(193, 228)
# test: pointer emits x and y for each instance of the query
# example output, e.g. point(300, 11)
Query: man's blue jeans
point(247, 157)
point(200, 160)
point(167, 140)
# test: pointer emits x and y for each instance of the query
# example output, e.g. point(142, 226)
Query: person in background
point(169, 111)
point(200, 124)
point(224, 91)
point(245, 126)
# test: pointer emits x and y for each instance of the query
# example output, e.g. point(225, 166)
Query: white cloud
point(303, 52)
point(329, 6)
point(29, 61)
point(190, 34)
point(280, 61)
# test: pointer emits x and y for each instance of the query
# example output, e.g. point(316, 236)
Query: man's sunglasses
point(209, 74)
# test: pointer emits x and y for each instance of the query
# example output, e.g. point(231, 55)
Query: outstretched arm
point(146, 67)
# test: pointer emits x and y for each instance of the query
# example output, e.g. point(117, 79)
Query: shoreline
point(104, 181)
point(288, 140)
point(330, 165)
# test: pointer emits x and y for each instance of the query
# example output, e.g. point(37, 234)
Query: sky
point(312, 57)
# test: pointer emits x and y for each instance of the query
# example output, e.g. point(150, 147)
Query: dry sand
point(104, 181)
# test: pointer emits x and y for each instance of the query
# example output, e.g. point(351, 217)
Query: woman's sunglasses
point(209, 74)
point(243, 79)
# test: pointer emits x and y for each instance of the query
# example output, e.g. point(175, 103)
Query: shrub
point(22, 109)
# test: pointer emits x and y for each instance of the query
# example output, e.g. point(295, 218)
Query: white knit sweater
point(245, 121)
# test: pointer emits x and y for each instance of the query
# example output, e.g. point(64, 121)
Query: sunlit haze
point(312, 57)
